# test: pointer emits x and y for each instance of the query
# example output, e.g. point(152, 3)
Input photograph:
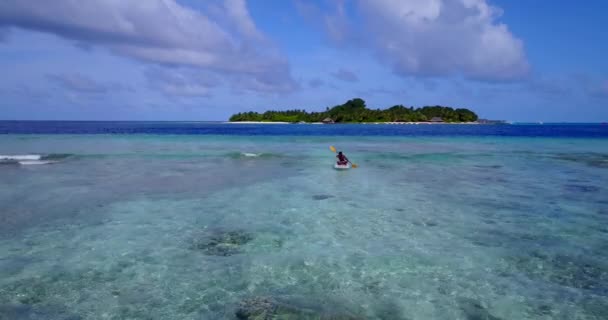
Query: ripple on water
point(574, 271)
point(592, 159)
point(498, 237)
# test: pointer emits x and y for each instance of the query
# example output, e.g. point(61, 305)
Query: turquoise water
point(220, 227)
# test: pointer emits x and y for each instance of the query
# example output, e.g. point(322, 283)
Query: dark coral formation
point(473, 310)
point(581, 188)
point(425, 223)
point(224, 243)
point(596, 160)
point(256, 308)
point(580, 272)
point(27, 312)
point(265, 308)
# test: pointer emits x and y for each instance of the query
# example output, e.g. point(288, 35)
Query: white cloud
point(438, 37)
point(435, 37)
point(237, 12)
point(159, 31)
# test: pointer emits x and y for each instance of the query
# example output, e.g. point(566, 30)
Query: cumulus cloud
point(80, 83)
point(345, 75)
point(432, 37)
point(237, 13)
point(161, 32)
point(439, 37)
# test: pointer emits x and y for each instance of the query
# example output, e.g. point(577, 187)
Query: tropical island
point(355, 111)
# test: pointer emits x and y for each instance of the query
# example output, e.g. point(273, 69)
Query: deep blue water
point(218, 128)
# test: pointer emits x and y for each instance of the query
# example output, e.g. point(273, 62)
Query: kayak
point(342, 166)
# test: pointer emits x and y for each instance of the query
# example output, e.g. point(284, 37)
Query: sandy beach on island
point(420, 123)
point(402, 123)
point(257, 122)
point(427, 123)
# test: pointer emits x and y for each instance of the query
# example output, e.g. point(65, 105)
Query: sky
point(196, 60)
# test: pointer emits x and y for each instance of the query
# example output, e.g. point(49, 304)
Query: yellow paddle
point(333, 149)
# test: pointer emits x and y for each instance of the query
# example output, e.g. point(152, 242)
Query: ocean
point(196, 220)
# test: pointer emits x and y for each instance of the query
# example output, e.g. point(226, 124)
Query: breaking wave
point(33, 159)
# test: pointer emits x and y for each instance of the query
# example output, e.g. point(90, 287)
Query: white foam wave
point(34, 162)
point(247, 154)
point(25, 157)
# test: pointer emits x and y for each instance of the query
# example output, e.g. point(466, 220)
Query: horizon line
point(224, 121)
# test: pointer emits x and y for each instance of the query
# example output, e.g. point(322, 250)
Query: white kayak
point(342, 166)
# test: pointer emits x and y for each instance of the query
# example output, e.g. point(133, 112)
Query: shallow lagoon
point(219, 227)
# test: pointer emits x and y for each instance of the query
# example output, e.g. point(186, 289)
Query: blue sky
point(204, 60)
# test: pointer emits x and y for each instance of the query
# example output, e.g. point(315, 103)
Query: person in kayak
point(342, 159)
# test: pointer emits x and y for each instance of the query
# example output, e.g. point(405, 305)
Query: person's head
point(340, 153)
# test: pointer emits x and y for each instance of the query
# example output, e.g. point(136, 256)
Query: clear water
point(165, 226)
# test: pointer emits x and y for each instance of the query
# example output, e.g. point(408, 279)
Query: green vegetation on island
point(355, 111)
